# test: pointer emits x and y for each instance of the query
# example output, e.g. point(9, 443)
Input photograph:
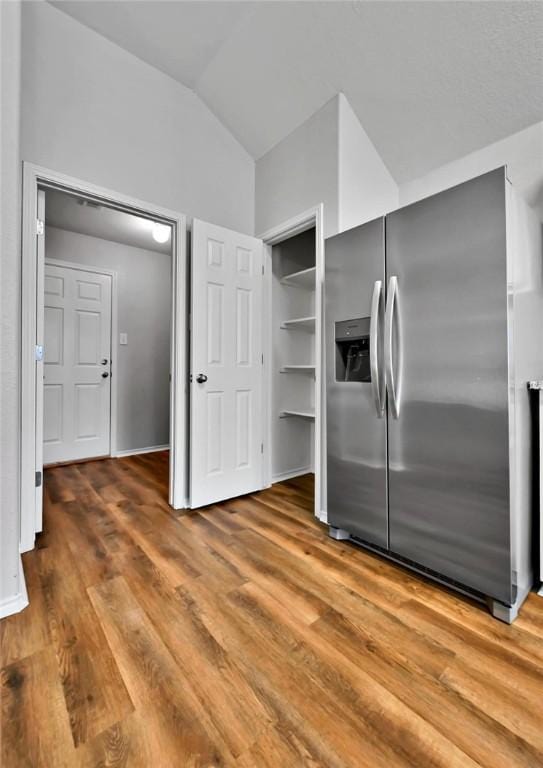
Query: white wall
point(12, 594)
point(301, 172)
point(143, 365)
point(522, 153)
point(366, 188)
point(94, 111)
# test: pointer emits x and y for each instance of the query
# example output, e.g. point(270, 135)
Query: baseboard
point(292, 473)
point(70, 462)
point(136, 451)
point(15, 603)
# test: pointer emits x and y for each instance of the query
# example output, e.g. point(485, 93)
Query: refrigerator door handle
point(377, 378)
point(391, 317)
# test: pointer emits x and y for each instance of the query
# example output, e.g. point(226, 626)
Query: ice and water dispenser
point(352, 339)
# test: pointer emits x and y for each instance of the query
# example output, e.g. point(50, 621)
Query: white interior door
point(226, 364)
point(40, 265)
point(77, 365)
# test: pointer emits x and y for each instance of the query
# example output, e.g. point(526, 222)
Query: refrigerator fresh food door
point(446, 346)
point(355, 386)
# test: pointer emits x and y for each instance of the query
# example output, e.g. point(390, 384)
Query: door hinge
point(262, 358)
point(40, 227)
point(38, 479)
point(261, 447)
point(263, 269)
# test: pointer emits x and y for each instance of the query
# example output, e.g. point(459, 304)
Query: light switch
point(123, 338)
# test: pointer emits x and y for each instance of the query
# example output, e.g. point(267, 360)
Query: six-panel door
point(76, 395)
point(226, 364)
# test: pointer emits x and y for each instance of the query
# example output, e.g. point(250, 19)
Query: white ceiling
point(64, 211)
point(429, 81)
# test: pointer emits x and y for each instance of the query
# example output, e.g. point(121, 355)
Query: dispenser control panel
point(352, 338)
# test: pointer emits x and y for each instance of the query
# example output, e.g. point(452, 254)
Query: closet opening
point(294, 445)
point(293, 398)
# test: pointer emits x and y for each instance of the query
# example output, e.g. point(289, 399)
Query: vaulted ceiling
point(429, 81)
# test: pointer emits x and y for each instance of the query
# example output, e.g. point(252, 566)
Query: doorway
point(107, 333)
point(36, 182)
point(294, 256)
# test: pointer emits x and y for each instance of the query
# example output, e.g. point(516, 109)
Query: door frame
point(114, 335)
point(35, 177)
point(312, 217)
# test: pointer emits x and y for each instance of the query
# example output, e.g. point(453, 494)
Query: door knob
point(105, 375)
point(104, 361)
point(201, 378)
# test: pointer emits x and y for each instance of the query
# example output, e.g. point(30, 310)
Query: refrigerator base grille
point(422, 569)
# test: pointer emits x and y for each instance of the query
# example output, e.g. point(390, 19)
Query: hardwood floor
point(241, 635)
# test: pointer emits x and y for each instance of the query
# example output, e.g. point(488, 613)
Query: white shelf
point(306, 324)
point(298, 369)
point(301, 414)
point(305, 278)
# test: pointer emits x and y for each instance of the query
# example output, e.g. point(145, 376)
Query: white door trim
point(40, 364)
point(35, 176)
point(114, 335)
point(313, 217)
point(15, 603)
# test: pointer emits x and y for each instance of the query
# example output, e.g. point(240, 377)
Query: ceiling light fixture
point(161, 232)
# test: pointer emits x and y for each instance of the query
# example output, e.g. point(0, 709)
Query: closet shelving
point(301, 414)
point(300, 324)
point(293, 343)
point(303, 278)
point(298, 369)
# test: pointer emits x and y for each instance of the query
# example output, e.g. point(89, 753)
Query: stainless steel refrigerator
point(433, 320)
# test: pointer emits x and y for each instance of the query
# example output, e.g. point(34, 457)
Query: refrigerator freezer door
point(356, 420)
point(448, 446)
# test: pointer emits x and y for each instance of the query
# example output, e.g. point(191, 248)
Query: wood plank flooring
point(241, 635)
